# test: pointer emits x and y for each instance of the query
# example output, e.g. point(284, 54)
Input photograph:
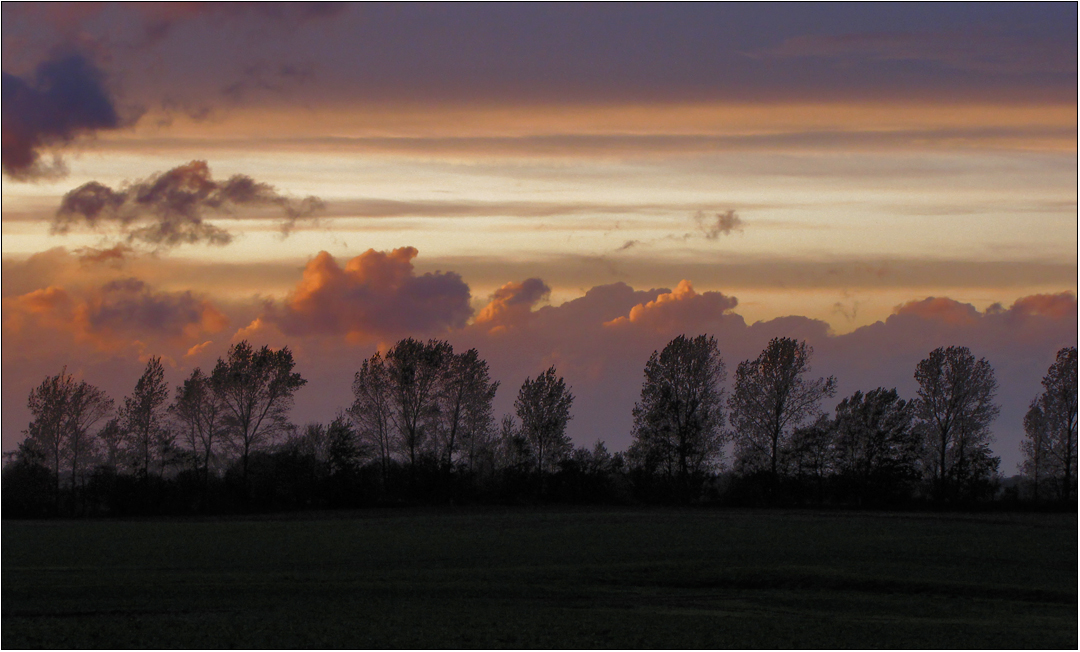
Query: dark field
point(526, 578)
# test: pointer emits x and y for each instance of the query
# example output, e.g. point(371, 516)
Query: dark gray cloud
point(723, 223)
point(130, 306)
point(66, 97)
point(114, 256)
point(168, 209)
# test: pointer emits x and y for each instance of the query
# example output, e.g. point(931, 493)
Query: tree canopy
point(772, 398)
point(543, 406)
point(955, 408)
point(678, 423)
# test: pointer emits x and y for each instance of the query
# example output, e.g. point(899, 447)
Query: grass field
point(545, 578)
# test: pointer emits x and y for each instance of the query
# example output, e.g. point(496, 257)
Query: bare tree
point(543, 405)
point(956, 407)
point(256, 389)
point(678, 422)
point(771, 399)
point(1051, 438)
point(372, 410)
point(143, 416)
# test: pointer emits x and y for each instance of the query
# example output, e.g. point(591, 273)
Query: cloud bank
point(99, 317)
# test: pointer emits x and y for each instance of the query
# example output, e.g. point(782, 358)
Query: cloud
point(168, 209)
point(725, 223)
point(197, 349)
point(376, 295)
point(1053, 306)
point(66, 98)
point(114, 256)
point(113, 315)
point(681, 308)
point(599, 342)
point(512, 304)
point(940, 309)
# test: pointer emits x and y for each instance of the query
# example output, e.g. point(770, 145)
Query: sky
point(550, 184)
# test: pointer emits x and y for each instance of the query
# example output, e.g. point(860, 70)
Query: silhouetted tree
point(48, 407)
point(1034, 447)
point(514, 450)
point(877, 451)
point(256, 389)
point(678, 422)
point(86, 407)
point(956, 407)
point(344, 451)
point(111, 444)
point(143, 417)
point(465, 395)
point(771, 399)
point(63, 413)
point(200, 412)
point(415, 370)
point(1051, 438)
point(543, 405)
point(372, 410)
point(808, 455)
point(28, 485)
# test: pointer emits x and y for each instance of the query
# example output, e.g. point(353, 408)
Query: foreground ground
point(548, 578)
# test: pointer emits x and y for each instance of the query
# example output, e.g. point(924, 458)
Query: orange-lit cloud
point(376, 294)
point(113, 315)
point(941, 309)
point(512, 304)
point(600, 341)
point(680, 308)
point(1054, 306)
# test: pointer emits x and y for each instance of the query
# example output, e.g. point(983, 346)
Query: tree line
point(421, 429)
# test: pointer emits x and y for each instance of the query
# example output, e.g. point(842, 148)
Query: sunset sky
point(551, 184)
